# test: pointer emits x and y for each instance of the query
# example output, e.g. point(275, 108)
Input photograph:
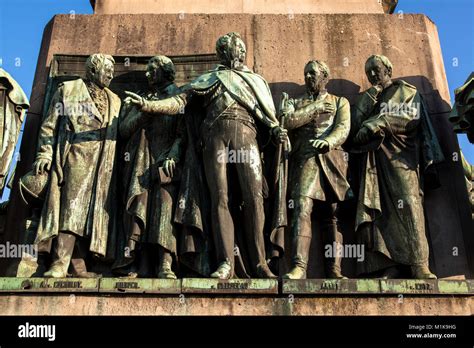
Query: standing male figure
point(13, 105)
point(394, 134)
point(235, 100)
point(77, 147)
point(154, 146)
point(318, 167)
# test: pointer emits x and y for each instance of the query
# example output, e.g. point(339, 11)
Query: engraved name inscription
point(232, 286)
point(64, 284)
point(126, 285)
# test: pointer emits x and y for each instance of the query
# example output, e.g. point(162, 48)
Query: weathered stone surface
point(231, 286)
point(373, 286)
point(147, 286)
point(454, 287)
point(412, 286)
point(70, 285)
point(331, 286)
point(289, 7)
point(237, 287)
point(187, 304)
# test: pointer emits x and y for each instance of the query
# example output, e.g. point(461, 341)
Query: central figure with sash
point(226, 110)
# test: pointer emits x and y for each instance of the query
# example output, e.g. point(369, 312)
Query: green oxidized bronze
point(76, 147)
point(469, 175)
point(13, 105)
point(225, 109)
point(393, 133)
point(319, 123)
point(462, 114)
point(152, 156)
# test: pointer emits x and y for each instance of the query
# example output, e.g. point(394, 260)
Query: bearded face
point(314, 78)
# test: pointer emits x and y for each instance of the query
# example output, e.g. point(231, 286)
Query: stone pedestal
point(242, 6)
point(112, 296)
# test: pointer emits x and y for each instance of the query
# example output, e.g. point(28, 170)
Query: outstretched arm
point(170, 106)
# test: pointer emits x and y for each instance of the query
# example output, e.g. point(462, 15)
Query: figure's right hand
point(42, 165)
point(325, 107)
point(375, 90)
point(134, 99)
point(168, 167)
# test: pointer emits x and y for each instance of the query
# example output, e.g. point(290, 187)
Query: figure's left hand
point(168, 167)
point(280, 134)
point(321, 145)
point(362, 136)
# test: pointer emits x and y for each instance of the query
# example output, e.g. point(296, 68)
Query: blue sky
point(22, 23)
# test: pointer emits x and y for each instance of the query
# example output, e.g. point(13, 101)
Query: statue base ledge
point(263, 287)
point(378, 286)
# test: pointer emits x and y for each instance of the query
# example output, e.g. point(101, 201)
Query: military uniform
point(320, 177)
point(233, 101)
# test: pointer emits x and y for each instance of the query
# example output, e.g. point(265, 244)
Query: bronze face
point(314, 78)
point(104, 75)
point(234, 53)
point(238, 50)
point(154, 74)
point(377, 73)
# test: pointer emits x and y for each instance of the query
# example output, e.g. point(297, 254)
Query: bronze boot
point(62, 254)
point(264, 272)
point(422, 272)
point(224, 271)
point(79, 269)
point(332, 265)
point(78, 261)
point(165, 262)
point(300, 253)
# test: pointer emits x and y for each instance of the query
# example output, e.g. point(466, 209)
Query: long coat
point(321, 176)
point(13, 105)
point(390, 219)
point(150, 140)
point(81, 143)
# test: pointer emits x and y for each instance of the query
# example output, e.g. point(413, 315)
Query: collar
point(321, 95)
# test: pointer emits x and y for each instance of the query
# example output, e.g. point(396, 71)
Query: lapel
point(114, 106)
point(94, 109)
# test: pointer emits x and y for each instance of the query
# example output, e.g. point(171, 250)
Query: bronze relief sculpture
point(393, 132)
point(76, 147)
point(319, 123)
point(203, 173)
point(13, 106)
point(150, 174)
point(235, 103)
